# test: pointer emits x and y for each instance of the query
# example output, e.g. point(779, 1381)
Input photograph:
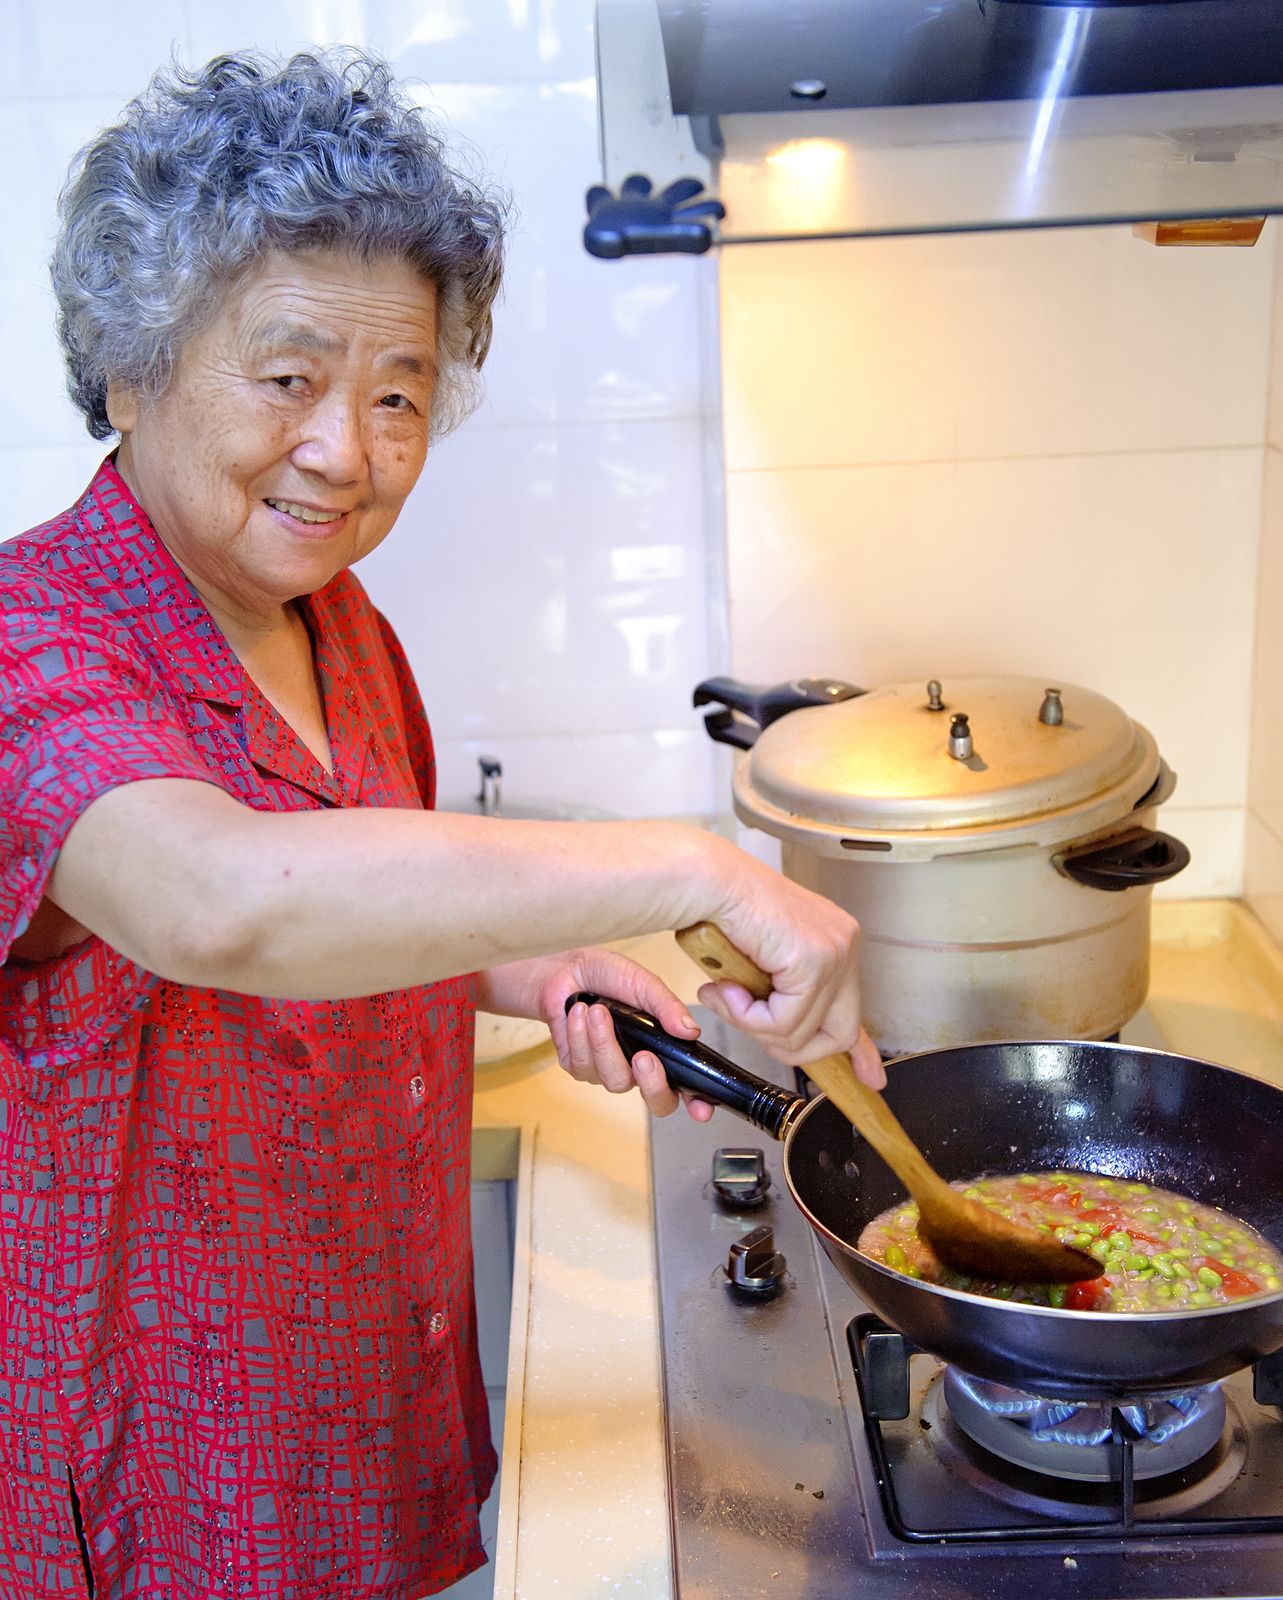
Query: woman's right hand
point(809, 947)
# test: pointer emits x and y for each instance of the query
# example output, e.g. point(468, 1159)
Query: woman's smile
point(314, 515)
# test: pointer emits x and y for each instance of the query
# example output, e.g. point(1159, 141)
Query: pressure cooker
point(994, 837)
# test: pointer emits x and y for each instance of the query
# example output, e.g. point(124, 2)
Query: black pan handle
point(693, 1066)
point(750, 707)
point(1138, 857)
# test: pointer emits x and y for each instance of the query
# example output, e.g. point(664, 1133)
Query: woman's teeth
point(304, 513)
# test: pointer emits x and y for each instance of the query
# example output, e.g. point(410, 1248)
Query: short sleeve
point(81, 712)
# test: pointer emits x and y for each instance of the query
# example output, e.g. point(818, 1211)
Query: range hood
point(840, 118)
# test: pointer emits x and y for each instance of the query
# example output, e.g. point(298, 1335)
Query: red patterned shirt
point(236, 1306)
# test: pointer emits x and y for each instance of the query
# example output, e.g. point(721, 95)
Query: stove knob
point(740, 1178)
point(754, 1267)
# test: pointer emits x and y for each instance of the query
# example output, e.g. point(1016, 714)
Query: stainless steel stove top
point(811, 1454)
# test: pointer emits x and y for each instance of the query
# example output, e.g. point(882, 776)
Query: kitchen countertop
point(582, 1508)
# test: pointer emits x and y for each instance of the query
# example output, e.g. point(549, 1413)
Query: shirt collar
point(147, 583)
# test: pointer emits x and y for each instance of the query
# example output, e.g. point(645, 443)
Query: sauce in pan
point(1160, 1251)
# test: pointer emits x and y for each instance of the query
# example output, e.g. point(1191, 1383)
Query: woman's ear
point(122, 407)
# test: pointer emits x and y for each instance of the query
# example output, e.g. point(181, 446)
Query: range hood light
point(809, 179)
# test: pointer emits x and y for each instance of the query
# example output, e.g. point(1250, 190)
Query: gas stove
point(814, 1454)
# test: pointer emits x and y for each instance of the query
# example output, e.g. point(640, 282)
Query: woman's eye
point(397, 402)
point(290, 381)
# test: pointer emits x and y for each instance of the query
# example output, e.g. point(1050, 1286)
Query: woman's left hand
point(585, 1038)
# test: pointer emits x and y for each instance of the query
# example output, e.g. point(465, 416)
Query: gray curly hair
point(209, 171)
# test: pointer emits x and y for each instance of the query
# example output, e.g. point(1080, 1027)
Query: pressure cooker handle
point(1130, 860)
point(693, 1066)
point(747, 708)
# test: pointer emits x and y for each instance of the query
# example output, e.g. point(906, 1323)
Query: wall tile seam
point(1262, 821)
point(978, 461)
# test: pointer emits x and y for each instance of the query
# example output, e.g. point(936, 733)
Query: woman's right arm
point(193, 885)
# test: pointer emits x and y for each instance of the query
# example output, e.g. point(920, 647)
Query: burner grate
point(918, 1447)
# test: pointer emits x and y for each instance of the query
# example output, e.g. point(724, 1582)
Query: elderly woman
point(241, 952)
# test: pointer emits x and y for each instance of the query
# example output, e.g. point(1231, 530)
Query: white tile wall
point(581, 340)
point(552, 576)
point(575, 571)
point(1055, 566)
point(1033, 452)
point(437, 41)
point(967, 347)
point(1264, 868)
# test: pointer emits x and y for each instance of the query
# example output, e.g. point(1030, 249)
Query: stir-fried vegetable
point(1160, 1251)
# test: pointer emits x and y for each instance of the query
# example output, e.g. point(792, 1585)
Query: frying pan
point(1206, 1131)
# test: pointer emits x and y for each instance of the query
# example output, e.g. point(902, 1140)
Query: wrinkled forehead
point(329, 305)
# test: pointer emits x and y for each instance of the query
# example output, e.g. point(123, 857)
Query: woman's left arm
point(585, 1038)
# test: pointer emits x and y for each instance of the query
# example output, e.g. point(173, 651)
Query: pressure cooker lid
point(957, 753)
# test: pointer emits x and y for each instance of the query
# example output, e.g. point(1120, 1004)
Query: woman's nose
point(334, 443)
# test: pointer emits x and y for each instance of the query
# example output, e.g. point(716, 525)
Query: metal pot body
point(993, 837)
point(997, 945)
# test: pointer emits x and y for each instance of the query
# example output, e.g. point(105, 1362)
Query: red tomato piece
point(1233, 1281)
point(1087, 1295)
point(1102, 1213)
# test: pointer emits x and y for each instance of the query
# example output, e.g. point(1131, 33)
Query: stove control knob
point(740, 1178)
point(753, 1266)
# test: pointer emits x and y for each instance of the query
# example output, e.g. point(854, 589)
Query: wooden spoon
point(965, 1235)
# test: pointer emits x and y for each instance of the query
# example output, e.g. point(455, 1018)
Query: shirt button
point(436, 1322)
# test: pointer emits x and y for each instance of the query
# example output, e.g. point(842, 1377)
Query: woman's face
point(293, 428)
